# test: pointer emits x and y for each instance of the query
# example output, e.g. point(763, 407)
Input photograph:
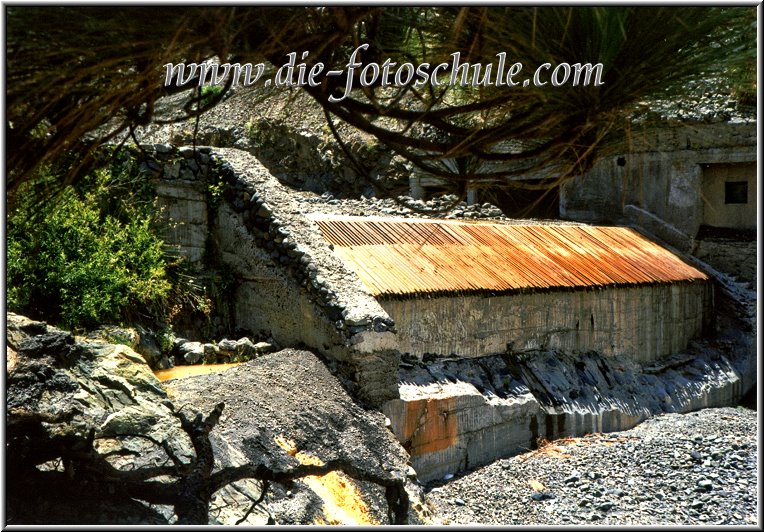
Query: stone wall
point(223, 205)
point(661, 173)
point(641, 323)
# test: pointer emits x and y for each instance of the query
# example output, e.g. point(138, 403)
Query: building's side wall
point(642, 323)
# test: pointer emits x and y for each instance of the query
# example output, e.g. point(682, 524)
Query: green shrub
point(165, 338)
point(90, 257)
point(209, 93)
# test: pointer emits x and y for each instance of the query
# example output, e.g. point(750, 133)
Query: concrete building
point(410, 312)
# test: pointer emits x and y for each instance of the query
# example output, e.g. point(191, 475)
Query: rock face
point(290, 396)
point(59, 390)
point(88, 424)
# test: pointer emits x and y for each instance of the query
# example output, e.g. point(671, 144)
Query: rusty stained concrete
point(450, 427)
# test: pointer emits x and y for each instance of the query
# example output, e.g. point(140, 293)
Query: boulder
point(114, 334)
point(211, 352)
point(227, 345)
point(65, 395)
point(245, 349)
point(191, 352)
point(60, 390)
point(288, 405)
point(262, 348)
point(147, 347)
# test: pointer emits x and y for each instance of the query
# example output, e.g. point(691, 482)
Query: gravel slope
point(675, 469)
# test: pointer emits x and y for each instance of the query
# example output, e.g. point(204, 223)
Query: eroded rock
point(88, 423)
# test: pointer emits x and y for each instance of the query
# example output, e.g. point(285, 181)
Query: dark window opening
point(524, 203)
point(735, 192)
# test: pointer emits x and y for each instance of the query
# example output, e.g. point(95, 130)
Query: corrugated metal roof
point(400, 257)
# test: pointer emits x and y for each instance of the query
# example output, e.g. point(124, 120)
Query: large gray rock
point(79, 410)
point(191, 352)
point(290, 397)
point(245, 349)
point(60, 390)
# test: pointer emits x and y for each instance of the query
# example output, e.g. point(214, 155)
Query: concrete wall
point(181, 190)
point(641, 323)
point(660, 172)
point(457, 415)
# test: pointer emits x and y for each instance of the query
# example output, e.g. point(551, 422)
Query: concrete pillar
point(471, 196)
point(416, 190)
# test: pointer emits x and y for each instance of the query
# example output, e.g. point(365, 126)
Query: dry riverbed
point(676, 469)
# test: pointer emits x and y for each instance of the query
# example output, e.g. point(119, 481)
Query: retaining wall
point(454, 415)
point(642, 323)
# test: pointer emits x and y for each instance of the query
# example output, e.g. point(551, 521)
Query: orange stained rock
point(343, 502)
point(430, 425)
point(11, 359)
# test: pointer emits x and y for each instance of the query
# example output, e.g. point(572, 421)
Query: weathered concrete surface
point(266, 298)
point(182, 205)
point(457, 414)
point(642, 323)
point(451, 426)
point(722, 211)
point(661, 171)
point(647, 221)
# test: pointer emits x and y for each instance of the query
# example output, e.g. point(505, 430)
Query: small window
point(736, 192)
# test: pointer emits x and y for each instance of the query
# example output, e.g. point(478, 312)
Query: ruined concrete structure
point(489, 297)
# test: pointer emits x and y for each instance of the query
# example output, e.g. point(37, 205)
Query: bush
point(92, 256)
point(209, 93)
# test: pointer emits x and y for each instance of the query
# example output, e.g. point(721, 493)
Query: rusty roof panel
point(400, 257)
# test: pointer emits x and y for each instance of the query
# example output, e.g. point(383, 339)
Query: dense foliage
point(92, 256)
